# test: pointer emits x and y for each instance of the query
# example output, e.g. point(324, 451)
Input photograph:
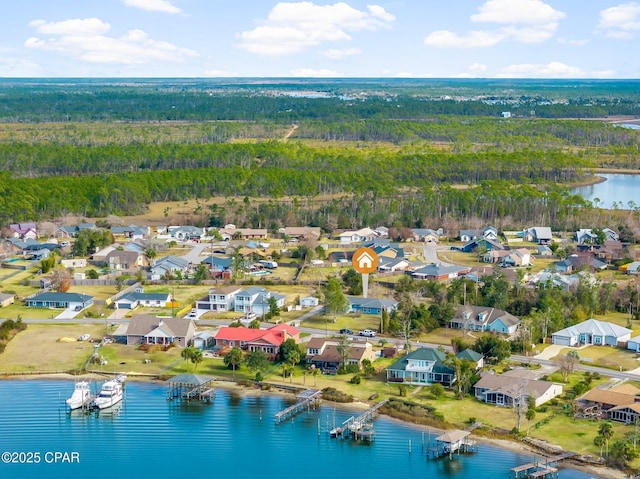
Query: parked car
point(368, 333)
point(346, 331)
point(249, 315)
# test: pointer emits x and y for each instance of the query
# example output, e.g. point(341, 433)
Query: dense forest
point(357, 152)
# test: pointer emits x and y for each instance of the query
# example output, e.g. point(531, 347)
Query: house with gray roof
point(538, 234)
point(55, 300)
point(440, 272)
point(592, 331)
point(186, 232)
point(219, 299)
point(125, 260)
point(139, 298)
point(426, 235)
point(256, 300)
point(154, 330)
point(171, 265)
point(481, 318)
point(358, 304)
point(511, 388)
point(132, 232)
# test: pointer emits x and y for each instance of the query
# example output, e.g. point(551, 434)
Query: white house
point(357, 237)
point(219, 299)
point(592, 331)
point(512, 388)
point(309, 302)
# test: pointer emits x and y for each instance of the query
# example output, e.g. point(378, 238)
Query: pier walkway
point(306, 399)
point(354, 425)
point(543, 468)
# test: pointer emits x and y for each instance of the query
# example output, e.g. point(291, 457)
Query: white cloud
point(336, 54)
point(528, 12)
point(474, 39)
point(86, 40)
point(153, 5)
point(524, 21)
point(75, 26)
point(622, 21)
point(477, 67)
point(576, 42)
point(220, 73)
point(533, 70)
point(293, 27)
point(604, 74)
point(316, 73)
point(17, 67)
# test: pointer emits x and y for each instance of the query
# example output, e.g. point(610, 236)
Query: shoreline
point(515, 446)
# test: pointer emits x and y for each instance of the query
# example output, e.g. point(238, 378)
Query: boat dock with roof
point(455, 440)
point(188, 387)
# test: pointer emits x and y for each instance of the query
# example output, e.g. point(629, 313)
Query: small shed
point(203, 340)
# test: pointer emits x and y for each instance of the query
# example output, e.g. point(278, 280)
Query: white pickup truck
point(368, 333)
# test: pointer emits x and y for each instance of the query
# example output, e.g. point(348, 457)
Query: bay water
point(623, 189)
point(235, 437)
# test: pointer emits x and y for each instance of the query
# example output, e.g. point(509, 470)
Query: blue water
point(234, 437)
point(619, 188)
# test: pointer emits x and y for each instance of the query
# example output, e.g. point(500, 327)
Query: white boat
point(81, 395)
point(110, 394)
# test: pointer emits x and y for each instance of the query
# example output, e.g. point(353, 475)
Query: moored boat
point(81, 395)
point(110, 394)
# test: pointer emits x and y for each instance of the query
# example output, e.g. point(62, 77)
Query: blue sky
point(267, 38)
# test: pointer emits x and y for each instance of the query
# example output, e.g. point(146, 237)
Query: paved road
point(580, 367)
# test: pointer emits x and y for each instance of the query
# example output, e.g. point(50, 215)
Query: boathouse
point(191, 387)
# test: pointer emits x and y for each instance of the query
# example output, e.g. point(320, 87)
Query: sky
point(347, 39)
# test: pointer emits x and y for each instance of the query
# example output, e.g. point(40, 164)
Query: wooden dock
point(189, 387)
point(544, 468)
point(306, 399)
point(360, 427)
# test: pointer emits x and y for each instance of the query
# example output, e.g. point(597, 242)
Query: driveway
point(68, 313)
point(194, 256)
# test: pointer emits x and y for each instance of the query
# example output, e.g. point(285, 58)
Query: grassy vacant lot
point(608, 357)
point(40, 348)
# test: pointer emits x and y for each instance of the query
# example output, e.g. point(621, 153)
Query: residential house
point(24, 231)
point(147, 329)
point(488, 232)
point(538, 234)
point(139, 298)
point(309, 302)
point(125, 260)
point(14, 246)
point(481, 318)
point(6, 299)
point(517, 257)
point(100, 256)
point(440, 272)
point(634, 344)
point(422, 366)
point(388, 250)
point(248, 339)
point(544, 251)
point(52, 299)
point(382, 231)
point(610, 251)
point(219, 266)
point(580, 262)
point(131, 232)
point(361, 305)
point(325, 354)
point(512, 388)
point(219, 299)
point(632, 268)
point(74, 263)
point(588, 236)
point(473, 357)
point(231, 232)
point(488, 244)
point(72, 231)
point(171, 265)
point(592, 331)
point(392, 265)
point(426, 235)
point(256, 300)
point(186, 232)
point(301, 233)
point(620, 403)
point(357, 236)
